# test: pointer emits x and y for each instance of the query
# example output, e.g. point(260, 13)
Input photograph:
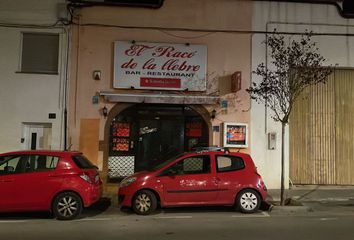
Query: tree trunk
point(282, 187)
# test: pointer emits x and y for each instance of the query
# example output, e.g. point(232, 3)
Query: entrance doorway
point(159, 139)
point(145, 135)
point(36, 136)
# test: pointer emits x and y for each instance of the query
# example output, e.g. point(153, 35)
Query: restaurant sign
point(163, 66)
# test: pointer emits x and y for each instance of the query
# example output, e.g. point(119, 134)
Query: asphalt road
point(196, 223)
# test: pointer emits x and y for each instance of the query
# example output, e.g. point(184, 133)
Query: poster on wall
point(163, 66)
point(235, 135)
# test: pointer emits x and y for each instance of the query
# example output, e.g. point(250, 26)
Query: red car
point(204, 177)
point(58, 181)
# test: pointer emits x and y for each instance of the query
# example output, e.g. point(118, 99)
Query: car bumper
point(125, 196)
point(92, 194)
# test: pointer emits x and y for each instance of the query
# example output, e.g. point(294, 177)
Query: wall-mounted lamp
point(213, 114)
point(104, 111)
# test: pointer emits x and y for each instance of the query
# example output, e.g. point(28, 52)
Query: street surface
point(328, 220)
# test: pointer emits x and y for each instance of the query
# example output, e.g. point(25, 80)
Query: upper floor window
point(40, 53)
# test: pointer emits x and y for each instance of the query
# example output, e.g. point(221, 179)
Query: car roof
point(42, 152)
point(218, 150)
point(245, 156)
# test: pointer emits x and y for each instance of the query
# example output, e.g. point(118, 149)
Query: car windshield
point(164, 163)
point(82, 162)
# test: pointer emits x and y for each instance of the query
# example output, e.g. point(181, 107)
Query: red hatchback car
point(204, 177)
point(58, 181)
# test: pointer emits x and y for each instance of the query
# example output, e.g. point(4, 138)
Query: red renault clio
point(58, 181)
point(204, 177)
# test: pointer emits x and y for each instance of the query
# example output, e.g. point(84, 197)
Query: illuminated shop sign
point(164, 66)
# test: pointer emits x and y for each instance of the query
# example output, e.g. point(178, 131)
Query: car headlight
point(127, 181)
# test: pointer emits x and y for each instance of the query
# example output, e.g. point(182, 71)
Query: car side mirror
point(171, 172)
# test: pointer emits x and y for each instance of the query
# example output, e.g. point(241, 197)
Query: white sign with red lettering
point(164, 66)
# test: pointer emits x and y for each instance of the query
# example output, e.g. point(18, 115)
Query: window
point(229, 163)
point(40, 163)
point(82, 162)
point(192, 165)
point(40, 52)
point(10, 165)
point(27, 163)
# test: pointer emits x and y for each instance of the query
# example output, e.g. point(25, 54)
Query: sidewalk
point(314, 193)
point(306, 199)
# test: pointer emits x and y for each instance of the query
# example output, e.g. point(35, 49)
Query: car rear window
point(82, 162)
point(229, 163)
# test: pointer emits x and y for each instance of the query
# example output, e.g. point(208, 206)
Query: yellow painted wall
point(89, 131)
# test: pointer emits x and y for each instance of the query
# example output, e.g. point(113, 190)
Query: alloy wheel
point(144, 202)
point(67, 206)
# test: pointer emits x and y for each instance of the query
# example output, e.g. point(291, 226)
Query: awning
point(159, 98)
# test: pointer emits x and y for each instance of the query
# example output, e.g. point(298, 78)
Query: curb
point(289, 210)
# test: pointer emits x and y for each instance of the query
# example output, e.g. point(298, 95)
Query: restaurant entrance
point(144, 135)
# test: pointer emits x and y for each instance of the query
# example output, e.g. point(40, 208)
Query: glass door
point(158, 141)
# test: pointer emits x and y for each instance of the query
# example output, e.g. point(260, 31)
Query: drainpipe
point(66, 87)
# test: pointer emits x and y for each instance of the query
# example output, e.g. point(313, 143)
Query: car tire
point(248, 201)
point(144, 202)
point(67, 206)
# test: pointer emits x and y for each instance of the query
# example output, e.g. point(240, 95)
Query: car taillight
point(86, 177)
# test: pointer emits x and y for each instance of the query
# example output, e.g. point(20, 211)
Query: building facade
point(319, 138)
point(33, 46)
point(149, 83)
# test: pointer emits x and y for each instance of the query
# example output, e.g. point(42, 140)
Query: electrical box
point(272, 139)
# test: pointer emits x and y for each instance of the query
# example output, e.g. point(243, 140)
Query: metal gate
point(322, 132)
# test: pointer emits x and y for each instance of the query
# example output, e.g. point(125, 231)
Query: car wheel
point(67, 206)
point(144, 202)
point(248, 201)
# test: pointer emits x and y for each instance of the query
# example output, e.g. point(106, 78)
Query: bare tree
point(294, 65)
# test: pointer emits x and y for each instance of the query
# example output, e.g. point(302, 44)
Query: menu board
point(120, 144)
point(121, 129)
point(120, 136)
